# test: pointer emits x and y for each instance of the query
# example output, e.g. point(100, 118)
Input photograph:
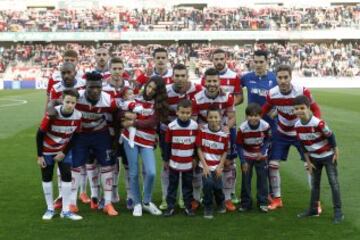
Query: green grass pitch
point(22, 203)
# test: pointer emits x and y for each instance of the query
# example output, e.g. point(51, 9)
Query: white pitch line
point(16, 102)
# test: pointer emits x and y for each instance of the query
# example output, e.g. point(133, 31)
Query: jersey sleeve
point(168, 135)
point(45, 123)
point(239, 137)
point(267, 106)
point(203, 81)
point(230, 104)
point(198, 139)
point(226, 143)
point(238, 88)
point(195, 108)
point(325, 130)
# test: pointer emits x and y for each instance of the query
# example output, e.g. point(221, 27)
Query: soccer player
point(214, 95)
point(321, 151)
point(180, 137)
point(253, 138)
point(212, 146)
point(180, 89)
point(230, 83)
point(161, 68)
point(53, 145)
point(282, 98)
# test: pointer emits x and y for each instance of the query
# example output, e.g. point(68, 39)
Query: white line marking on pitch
point(16, 102)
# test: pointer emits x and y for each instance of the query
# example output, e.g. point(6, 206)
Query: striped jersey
point(144, 137)
point(59, 131)
point(213, 145)
point(143, 79)
point(313, 136)
point(201, 104)
point(94, 116)
point(229, 81)
point(182, 140)
point(284, 104)
point(58, 88)
point(251, 140)
point(56, 77)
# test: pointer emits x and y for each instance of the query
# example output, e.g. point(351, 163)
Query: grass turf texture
point(22, 202)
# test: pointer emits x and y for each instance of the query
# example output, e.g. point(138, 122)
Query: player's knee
point(65, 172)
point(47, 173)
point(274, 165)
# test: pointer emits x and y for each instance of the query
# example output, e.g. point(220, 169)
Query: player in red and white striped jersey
point(161, 69)
point(212, 146)
point(180, 137)
point(53, 145)
point(319, 145)
point(213, 95)
point(181, 89)
point(282, 98)
point(253, 138)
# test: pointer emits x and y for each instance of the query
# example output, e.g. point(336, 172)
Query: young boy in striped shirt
point(319, 145)
point(180, 138)
point(253, 138)
point(212, 145)
point(53, 144)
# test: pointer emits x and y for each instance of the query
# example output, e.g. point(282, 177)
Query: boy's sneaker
point(163, 205)
point(181, 203)
point(152, 209)
point(338, 217)
point(71, 216)
point(58, 203)
point(84, 198)
point(264, 208)
point(129, 204)
point(48, 215)
point(230, 206)
point(234, 199)
point(189, 212)
point(208, 213)
point(222, 208)
point(137, 212)
point(169, 212)
point(110, 210)
point(73, 208)
point(276, 203)
point(308, 213)
point(195, 205)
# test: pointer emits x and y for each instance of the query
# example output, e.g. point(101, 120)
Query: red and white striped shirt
point(94, 116)
point(252, 140)
point(229, 81)
point(56, 77)
point(143, 79)
point(58, 88)
point(284, 105)
point(182, 141)
point(201, 104)
point(58, 131)
point(144, 137)
point(313, 136)
point(213, 145)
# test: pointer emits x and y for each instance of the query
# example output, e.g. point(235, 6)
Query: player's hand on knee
point(245, 167)
point(206, 170)
point(41, 162)
point(59, 157)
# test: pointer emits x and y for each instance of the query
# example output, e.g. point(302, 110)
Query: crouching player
point(253, 140)
point(180, 138)
point(319, 145)
point(53, 144)
point(212, 145)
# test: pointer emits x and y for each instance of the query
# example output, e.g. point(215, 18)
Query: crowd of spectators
point(308, 59)
point(117, 19)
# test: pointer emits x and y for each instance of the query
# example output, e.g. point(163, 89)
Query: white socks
point(83, 179)
point(106, 182)
point(275, 181)
point(197, 186)
point(92, 171)
point(75, 175)
point(164, 182)
point(66, 195)
point(228, 179)
point(48, 193)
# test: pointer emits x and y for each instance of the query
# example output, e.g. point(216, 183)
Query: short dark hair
point(159, 50)
point(253, 109)
point(115, 60)
point(185, 103)
point(284, 67)
point(261, 53)
point(211, 72)
point(71, 92)
point(213, 108)
point(219, 50)
point(179, 66)
point(93, 76)
point(302, 99)
point(70, 53)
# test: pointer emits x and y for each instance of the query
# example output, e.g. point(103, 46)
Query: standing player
point(161, 68)
point(181, 89)
point(282, 98)
point(230, 82)
point(258, 83)
point(53, 145)
point(213, 95)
